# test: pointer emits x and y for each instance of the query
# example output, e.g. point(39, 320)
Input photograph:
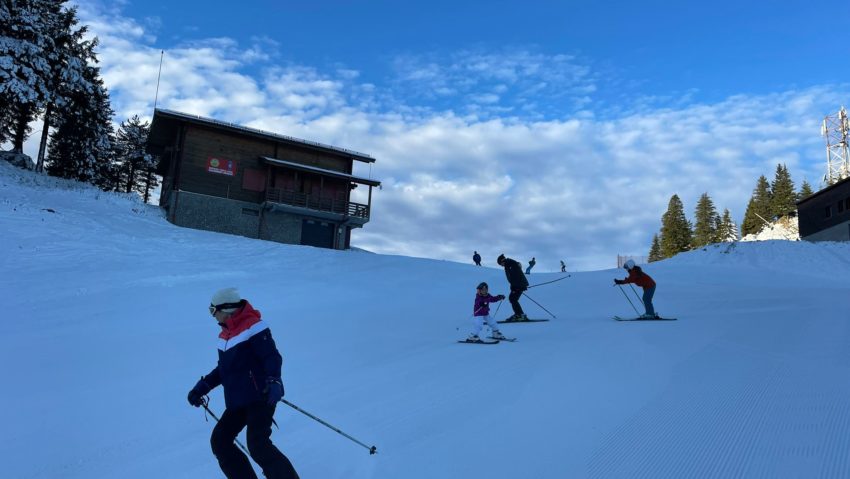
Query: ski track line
point(652, 439)
point(717, 428)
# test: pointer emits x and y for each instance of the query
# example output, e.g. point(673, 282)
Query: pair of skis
point(490, 340)
point(641, 318)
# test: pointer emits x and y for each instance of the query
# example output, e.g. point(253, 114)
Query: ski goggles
point(214, 309)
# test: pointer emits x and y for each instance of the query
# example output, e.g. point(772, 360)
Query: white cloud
point(582, 187)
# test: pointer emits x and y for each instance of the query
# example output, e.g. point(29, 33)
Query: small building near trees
point(223, 177)
point(825, 215)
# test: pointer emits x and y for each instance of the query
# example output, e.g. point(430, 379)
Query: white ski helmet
point(629, 264)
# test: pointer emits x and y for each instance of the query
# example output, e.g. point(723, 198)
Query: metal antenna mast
point(158, 75)
point(836, 130)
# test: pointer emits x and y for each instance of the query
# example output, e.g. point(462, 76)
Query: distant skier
point(638, 277)
point(530, 265)
point(476, 258)
point(518, 282)
point(563, 267)
point(481, 313)
point(249, 371)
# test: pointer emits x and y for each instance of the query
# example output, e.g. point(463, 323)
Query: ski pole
point(636, 295)
point(538, 304)
point(372, 450)
point(628, 299)
point(547, 282)
point(245, 450)
point(496, 314)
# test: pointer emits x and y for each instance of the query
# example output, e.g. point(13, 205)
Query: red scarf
point(241, 320)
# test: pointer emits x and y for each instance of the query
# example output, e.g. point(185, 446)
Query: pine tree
point(655, 250)
point(758, 209)
point(81, 145)
point(805, 191)
point(676, 231)
point(783, 199)
point(25, 39)
point(727, 230)
point(706, 218)
point(68, 61)
point(130, 155)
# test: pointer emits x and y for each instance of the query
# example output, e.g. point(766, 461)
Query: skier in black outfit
point(476, 258)
point(249, 371)
point(518, 282)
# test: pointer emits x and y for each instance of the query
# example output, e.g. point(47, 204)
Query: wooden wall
point(201, 143)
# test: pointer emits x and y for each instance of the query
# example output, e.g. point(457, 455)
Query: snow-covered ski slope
point(106, 328)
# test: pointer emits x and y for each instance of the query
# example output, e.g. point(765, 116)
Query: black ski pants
point(233, 462)
point(514, 299)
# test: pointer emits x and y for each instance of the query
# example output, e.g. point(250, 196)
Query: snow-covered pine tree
point(68, 60)
point(655, 250)
point(783, 198)
point(728, 230)
point(135, 166)
point(25, 37)
point(676, 233)
point(759, 205)
point(706, 219)
point(805, 191)
point(81, 145)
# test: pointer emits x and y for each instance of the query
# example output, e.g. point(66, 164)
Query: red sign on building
point(220, 166)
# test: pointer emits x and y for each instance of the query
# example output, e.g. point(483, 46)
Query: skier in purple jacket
point(481, 314)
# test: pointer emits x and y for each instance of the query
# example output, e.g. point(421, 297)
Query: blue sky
point(710, 50)
point(548, 129)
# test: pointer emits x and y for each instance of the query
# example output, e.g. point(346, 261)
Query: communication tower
point(836, 130)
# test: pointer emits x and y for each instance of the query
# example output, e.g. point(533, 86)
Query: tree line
point(769, 202)
point(48, 70)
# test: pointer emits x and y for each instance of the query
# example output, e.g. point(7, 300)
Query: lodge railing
point(303, 200)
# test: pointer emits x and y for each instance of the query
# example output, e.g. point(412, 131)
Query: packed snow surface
point(107, 329)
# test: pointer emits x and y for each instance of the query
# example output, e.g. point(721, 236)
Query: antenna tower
point(836, 130)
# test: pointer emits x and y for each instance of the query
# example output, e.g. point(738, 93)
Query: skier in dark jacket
point(518, 282)
point(476, 258)
point(249, 371)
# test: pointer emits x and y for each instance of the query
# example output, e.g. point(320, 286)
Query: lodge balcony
point(323, 207)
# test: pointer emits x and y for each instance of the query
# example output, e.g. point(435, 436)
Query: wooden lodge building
point(825, 215)
point(223, 177)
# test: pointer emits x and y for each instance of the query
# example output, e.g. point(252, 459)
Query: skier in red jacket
point(638, 277)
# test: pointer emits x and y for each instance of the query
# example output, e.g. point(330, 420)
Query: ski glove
point(500, 297)
point(274, 391)
point(196, 395)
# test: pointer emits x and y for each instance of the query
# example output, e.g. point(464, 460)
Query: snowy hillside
point(107, 329)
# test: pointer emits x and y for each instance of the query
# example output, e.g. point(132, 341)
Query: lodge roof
point(313, 169)
point(223, 125)
point(828, 188)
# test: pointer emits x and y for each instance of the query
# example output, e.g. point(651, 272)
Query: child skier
point(481, 314)
point(638, 277)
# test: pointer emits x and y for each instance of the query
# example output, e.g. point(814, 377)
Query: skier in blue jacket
point(249, 371)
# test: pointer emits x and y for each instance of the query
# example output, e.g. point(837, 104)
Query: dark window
point(254, 180)
point(840, 206)
point(250, 212)
point(828, 212)
point(847, 203)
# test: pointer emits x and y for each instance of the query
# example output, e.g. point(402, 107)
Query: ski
point(523, 321)
point(510, 340)
point(617, 318)
point(480, 341)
